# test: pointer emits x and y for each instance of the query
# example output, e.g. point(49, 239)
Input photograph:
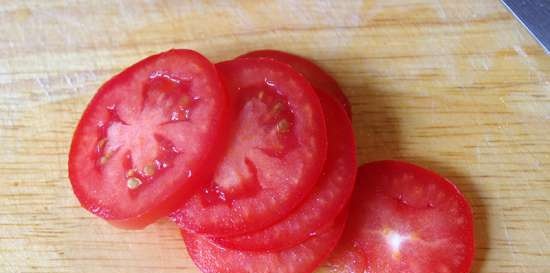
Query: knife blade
point(535, 16)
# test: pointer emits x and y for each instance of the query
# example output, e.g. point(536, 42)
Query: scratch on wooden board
point(352, 19)
point(61, 19)
point(526, 180)
point(76, 81)
point(69, 81)
point(10, 44)
point(519, 50)
point(509, 239)
point(373, 11)
point(485, 63)
point(44, 86)
point(482, 62)
point(530, 63)
point(510, 244)
point(478, 155)
point(441, 10)
point(50, 85)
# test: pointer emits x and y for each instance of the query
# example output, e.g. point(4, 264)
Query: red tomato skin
point(211, 258)
point(318, 77)
point(351, 253)
point(210, 157)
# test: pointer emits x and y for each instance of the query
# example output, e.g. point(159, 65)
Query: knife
point(535, 16)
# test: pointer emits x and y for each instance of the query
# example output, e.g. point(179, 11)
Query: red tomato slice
point(302, 258)
point(148, 137)
point(275, 155)
point(318, 78)
point(327, 198)
point(405, 218)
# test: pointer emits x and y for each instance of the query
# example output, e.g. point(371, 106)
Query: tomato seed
point(133, 183)
point(283, 126)
point(105, 158)
point(277, 108)
point(101, 143)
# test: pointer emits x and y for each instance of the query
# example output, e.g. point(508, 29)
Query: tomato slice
point(302, 258)
point(405, 218)
point(318, 78)
point(274, 156)
point(147, 138)
point(328, 197)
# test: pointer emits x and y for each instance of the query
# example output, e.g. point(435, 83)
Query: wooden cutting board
point(456, 86)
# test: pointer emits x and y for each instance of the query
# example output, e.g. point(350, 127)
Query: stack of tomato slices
point(255, 160)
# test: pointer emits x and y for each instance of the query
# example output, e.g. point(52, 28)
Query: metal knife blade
point(535, 16)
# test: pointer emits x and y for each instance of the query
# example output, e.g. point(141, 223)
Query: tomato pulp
point(319, 79)
point(404, 218)
point(146, 140)
point(275, 153)
point(327, 199)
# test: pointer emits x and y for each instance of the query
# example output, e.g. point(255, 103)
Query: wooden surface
point(457, 86)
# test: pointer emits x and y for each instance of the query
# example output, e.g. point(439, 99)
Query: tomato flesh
point(327, 198)
point(144, 140)
point(319, 79)
point(274, 156)
point(303, 258)
point(405, 218)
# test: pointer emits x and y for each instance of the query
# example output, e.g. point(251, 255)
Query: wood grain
point(457, 86)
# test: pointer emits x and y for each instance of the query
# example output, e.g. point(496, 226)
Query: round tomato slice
point(318, 78)
point(147, 138)
point(302, 258)
point(405, 218)
point(327, 199)
point(275, 153)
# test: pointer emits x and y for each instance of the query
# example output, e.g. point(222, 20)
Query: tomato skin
point(278, 182)
point(405, 218)
point(327, 199)
point(318, 77)
point(303, 258)
point(79, 152)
